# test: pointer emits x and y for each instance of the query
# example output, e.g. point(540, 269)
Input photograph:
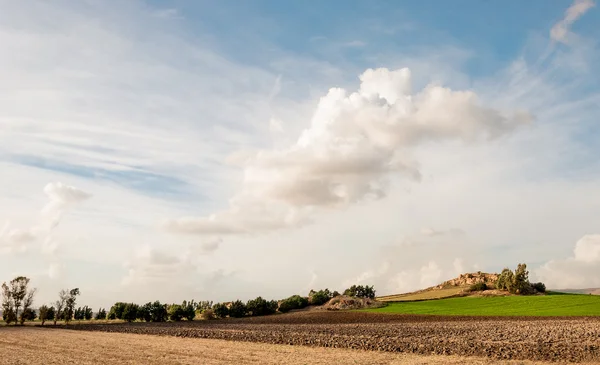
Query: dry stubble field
point(505, 338)
point(34, 345)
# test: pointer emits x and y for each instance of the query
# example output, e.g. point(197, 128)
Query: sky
point(216, 150)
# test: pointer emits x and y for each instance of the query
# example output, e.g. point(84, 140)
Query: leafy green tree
point(116, 311)
point(360, 291)
point(319, 297)
point(130, 312)
point(87, 313)
point(17, 295)
point(237, 309)
point(158, 312)
point(28, 315)
point(539, 287)
point(220, 310)
point(189, 310)
point(101, 314)
point(70, 305)
point(293, 302)
point(202, 305)
point(145, 312)
point(261, 307)
point(8, 310)
point(176, 312)
point(45, 313)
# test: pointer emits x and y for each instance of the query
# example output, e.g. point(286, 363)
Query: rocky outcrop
point(469, 279)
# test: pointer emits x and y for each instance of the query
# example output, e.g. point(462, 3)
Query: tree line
point(17, 301)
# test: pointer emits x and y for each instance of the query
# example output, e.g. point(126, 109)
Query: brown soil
point(543, 339)
point(27, 345)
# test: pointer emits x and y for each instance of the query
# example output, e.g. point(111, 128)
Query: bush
point(293, 302)
point(208, 314)
point(261, 307)
point(539, 287)
point(478, 287)
point(360, 291)
point(237, 309)
point(220, 310)
point(158, 312)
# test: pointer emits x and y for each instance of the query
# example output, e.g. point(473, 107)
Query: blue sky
point(225, 145)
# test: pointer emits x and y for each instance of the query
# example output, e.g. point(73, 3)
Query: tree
point(43, 313)
point(189, 310)
point(8, 309)
point(101, 314)
point(70, 304)
point(176, 312)
point(237, 309)
point(145, 312)
point(158, 312)
point(87, 313)
point(261, 307)
point(220, 310)
point(360, 291)
point(60, 305)
point(319, 297)
point(293, 302)
point(116, 311)
point(130, 312)
point(16, 295)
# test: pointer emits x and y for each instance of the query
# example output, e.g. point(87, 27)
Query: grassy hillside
point(423, 295)
point(553, 304)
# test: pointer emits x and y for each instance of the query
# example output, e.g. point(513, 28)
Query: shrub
point(237, 309)
point(220, 310)
point(293, 302)
point(481, 286)
point(208, 314)
point(261, 307)
point(539, 287)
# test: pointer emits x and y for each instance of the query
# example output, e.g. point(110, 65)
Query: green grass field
point(553, 304)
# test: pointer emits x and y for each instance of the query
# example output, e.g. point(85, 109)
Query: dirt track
point(546, 339)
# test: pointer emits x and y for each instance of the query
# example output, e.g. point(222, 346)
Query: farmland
point(553, 304)
point(36, 346)
point(505, 338)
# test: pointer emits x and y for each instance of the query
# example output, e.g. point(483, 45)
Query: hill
point(593, 291)
point(448, 289)
point(552, 304)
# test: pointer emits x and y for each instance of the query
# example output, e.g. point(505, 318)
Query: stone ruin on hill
point(469, 279)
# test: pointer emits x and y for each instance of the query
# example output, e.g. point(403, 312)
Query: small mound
point(344, 302)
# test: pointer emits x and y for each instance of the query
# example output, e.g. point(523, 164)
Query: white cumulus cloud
point(582, 270)
point(355, 143)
